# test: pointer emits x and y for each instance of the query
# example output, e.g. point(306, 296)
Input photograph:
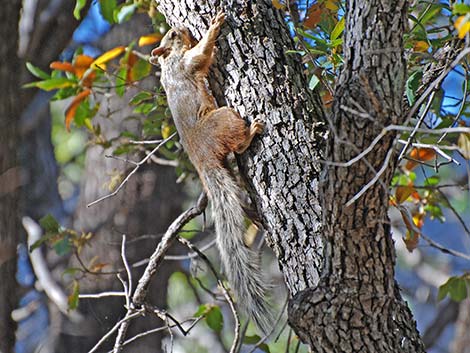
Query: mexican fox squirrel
point(208, 134)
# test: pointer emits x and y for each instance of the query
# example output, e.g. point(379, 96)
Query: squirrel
point(208, 135)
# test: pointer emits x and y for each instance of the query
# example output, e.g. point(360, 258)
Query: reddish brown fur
point(208, 134)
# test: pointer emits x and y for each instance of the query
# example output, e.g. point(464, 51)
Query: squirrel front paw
point(218, 20)
point(256, 127)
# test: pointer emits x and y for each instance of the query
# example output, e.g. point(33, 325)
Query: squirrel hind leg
point(255, 128)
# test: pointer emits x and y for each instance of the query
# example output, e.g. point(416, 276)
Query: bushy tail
point(241, 264)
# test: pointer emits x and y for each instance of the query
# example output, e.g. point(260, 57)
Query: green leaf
point(412, 85)
point(314, 80)
point(73, 297)
point(79, 5)
point(214, 319)
point(36, 71)
point(62, 247)
point(41, 241)
point(121, 82)
point(124, 13)
point(458, 289)
point(107, 8)
point(338, 30)
point(461, 9)
point(140, 97)
point(202, 310)
point(455, 287)
point(71, 271)
point(141, 69)
point(49, 224)
point(251, 339)
point(432, 180)
point(52, 84)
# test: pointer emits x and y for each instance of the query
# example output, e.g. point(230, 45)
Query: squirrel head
point(175, 41)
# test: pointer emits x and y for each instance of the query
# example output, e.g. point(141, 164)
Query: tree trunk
point(338, 261)
point(9, 171)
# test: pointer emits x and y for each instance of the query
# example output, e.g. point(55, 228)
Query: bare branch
point(102, 295)
point(44, 276)
point(155, 261)
point(227, 296)
point(138, 165)
point(373, 180)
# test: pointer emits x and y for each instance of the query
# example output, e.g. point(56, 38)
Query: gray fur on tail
point(241, 264)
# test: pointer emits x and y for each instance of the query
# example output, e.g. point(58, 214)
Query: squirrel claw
point(219, 19)
point(257, 126)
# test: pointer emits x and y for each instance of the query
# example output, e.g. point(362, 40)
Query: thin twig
point(145, 159)
point(227, 296)
point(442, 248)
point(101, 295)
point(417, 126)
point(389, 128)
point(155, 261)
point(128, 317)
point(158, 329)
point(433, 85)
point(373, 180)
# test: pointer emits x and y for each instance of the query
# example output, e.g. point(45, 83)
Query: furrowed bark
point(357, 306)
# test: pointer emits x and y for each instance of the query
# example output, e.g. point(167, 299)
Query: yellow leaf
point(72, 109)
point(331, 5)
point(462, 25)
point(149, 39)
point(109, 55)
point(166, 130)
point(464, 145)
point(402, 193)
point(278, 5)
point(421, 46)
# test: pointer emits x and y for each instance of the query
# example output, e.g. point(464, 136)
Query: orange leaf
point(419, 155)
point(411, 240)
point(72, 108)
point(131, 60)
point(81, 64)
point(109, 55)
point(421, 46)
point(402, 193)
point(62, 66)
point(149, 39)
point(314, 15)
point(88, 81)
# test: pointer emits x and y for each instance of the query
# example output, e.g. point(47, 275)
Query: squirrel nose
point(157, 51)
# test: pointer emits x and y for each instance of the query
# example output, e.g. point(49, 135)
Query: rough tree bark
point(338, 261)
point(357, 305)
point(9, 171)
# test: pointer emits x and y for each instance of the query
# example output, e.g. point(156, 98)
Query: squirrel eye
point(173, 35)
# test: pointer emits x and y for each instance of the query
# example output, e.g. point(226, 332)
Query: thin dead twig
point(137, 166)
